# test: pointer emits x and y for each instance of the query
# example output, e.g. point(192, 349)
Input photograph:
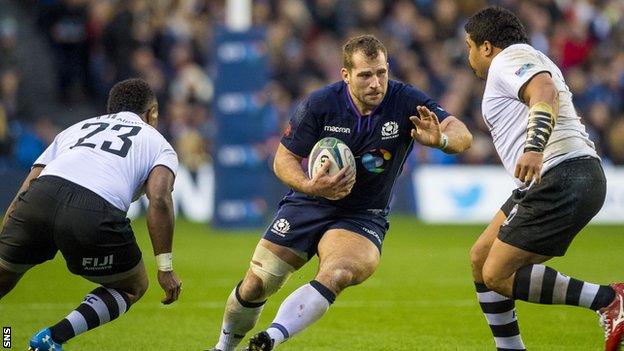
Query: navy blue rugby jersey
point(379, 141)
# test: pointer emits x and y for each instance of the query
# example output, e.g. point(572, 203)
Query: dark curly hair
point(367, 44)
point(133, 95)
point(497, 25)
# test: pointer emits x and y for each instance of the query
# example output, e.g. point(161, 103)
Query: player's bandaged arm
point(34, 173)
point(458, 136)
point(542, 97)
point(160, 217)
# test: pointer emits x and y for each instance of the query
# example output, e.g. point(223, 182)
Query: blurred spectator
point(32, 141)
point(616, 141)
point(5, 139)
point(9, 97)
point(8, 41)
point(65, 23)
point(192, 151)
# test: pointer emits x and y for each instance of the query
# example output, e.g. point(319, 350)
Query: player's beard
point(371, 103)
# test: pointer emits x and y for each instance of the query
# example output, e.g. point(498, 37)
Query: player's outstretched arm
point(459, 137)
point(542, 96)
point(160, 226)
point(287, 167)
point(34, 173)
point(451, 136)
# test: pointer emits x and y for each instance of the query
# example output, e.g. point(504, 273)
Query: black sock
point(540, 284)
point(500, 313)
point(100, 306)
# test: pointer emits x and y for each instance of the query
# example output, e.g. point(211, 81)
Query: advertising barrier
point(473, 194)
point(244, 121)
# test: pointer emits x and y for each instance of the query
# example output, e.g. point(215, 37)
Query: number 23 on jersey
point(106, 145)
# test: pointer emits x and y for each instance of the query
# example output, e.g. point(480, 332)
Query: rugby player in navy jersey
point(341, 218)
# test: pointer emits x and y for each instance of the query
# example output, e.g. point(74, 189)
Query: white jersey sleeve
point(50, 152)
point(167, 157)
point(515, 68)
point(47, 156)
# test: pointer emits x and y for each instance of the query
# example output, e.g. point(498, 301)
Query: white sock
point(301, 309)
point(238, 319)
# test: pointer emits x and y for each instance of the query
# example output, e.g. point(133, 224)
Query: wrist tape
point(164, 262)
point(540, 126)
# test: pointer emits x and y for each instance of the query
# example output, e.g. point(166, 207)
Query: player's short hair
point(133, 95)
point(497, 25)
point(367, 44)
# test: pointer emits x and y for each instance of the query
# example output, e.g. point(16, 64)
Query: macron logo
point(335, 129)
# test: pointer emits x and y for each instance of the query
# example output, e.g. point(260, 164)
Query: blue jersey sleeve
point(416, 97)
point(302, 131)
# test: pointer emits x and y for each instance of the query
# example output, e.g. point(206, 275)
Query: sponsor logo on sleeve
point(523, 69)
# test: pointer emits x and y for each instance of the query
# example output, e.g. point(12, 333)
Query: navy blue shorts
point(300, 223)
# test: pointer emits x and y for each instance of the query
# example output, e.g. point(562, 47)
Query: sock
point(100, 306)
point(301, 309)
point(239, 318)
point(540, 284)
point(500, 313)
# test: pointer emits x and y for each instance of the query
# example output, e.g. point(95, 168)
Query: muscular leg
point(517, 273)
point(102, 305)
point(268, 272)
point(8, 280)
point(499, 310)
point(346, 259)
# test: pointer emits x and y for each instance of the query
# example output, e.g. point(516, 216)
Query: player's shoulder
point(327, 97)
point(514, 54)
point(402, 91)
point(398, 87)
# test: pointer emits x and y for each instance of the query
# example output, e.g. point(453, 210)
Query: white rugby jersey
point(507, 116)
point(112, 155)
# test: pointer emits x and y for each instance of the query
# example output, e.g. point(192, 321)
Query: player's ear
point(152, 115)
point(488, 48)
point(344, 73)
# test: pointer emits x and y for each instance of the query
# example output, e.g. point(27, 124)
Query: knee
point(343, 277)
point(340, 277)
point(267, 274)
point(137, 290)
point(478, 255)
point(493, 279)
point(252, 289)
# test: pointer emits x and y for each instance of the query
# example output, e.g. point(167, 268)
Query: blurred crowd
point(170, 44)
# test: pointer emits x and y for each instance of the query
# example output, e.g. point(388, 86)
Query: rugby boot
point(260, 342)
point(42, 341)
point(612, 319)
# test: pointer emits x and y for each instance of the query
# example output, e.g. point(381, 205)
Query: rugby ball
point(333, 150)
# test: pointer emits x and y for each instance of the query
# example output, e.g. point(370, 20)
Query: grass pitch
point(421, 297)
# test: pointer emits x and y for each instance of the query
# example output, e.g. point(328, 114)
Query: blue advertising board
point(244, 122)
